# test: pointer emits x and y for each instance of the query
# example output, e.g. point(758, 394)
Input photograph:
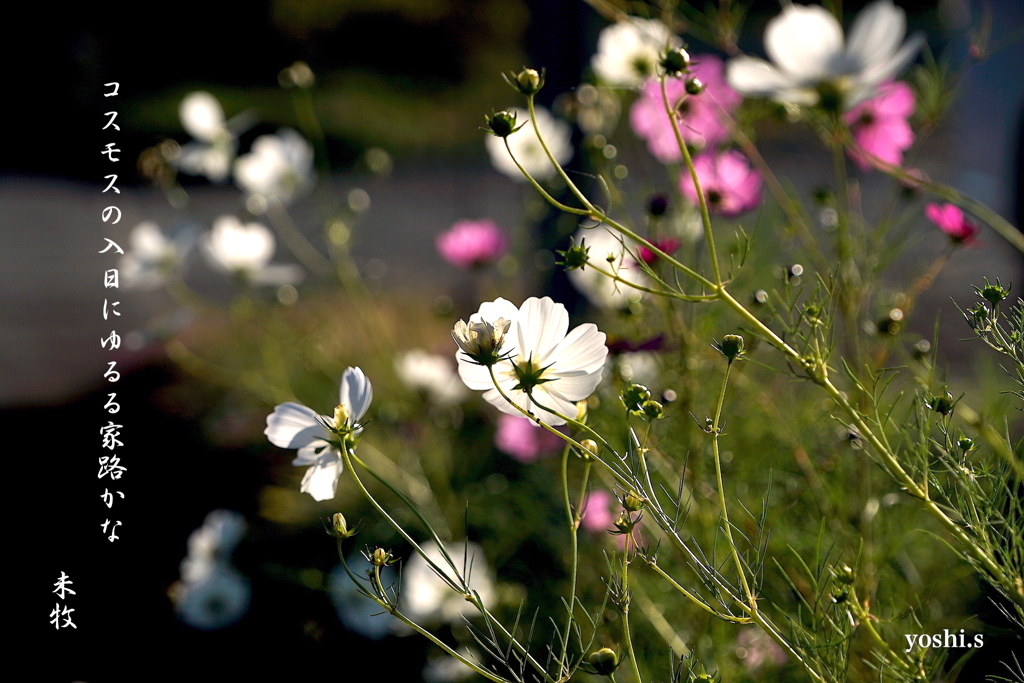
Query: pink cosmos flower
point(520, 438)
point(951, 220)
point(700, 124)
point(880, 125)
point(730, 184)
point(667, 245)
point(469, 244)
point(597, 511)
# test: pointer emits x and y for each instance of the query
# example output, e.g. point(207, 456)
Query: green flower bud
point(633, 501)
point(590, 449)
point(844, 575)
point(840, 597)
point(528, 81)
point(502, 123)
point(339, 527)
point(653, 410)
point(675, 61)
point(965, 444)
point(603, 661)
point(575, 257)
point(634, 397)
point(381, 558)
point(941, 404)
point(731, 347)
point(993, 294)
point(694, 86)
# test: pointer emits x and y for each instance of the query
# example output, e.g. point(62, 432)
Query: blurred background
point(401, 90)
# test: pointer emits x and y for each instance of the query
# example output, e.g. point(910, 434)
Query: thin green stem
point(701, 199)
point(715, 434)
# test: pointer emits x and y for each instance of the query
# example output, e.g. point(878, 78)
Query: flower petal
point(583, 349)
point(875, 36)
point(756, 77)
point(542, 325)
point(293, 426)
point(308, 454)
point(356, 393)
point(883, 71)
point(321, 480)
point(804, 41)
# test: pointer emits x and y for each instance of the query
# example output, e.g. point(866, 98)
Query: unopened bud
point(941, 403)
point(731, 347)
point(965, 444)
point(380, 558)
point(653, 410)
point(575, 257)
point(528, 81)
point(603, 661)
point(694, 86)
point(501, 123)
point(589, 449)
point(844, 575)
point(994, 293)
point(340, 527)
point(675, 61)
point(633, 502)
point(634, 397)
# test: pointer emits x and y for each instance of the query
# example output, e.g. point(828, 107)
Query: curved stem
point(705, 217)
point(715, 433)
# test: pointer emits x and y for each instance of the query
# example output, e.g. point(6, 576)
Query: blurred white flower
point(219, 598)
point(811, 65)
point(150, 257)
point(212, 543)
point(211, 593)
point(628, 52)
point(319, 438)
point(543, 365)
point(213, 149)
point(430, 373)
point(607, 251)
point(356, 611)
point(278, 165)
point(425, 597)
point(527, 149)
point(641, 367)
point(446, 669)
point(245, 250)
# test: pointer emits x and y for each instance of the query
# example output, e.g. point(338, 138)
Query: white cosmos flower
point(319, 438)
point(212, 543)
point(213, 149)
point(811, 62)
point(150, 256)
point(246, 250)
point(527, 149)
point(219, 598)
point(211, 593)
point(425, 597)
point(430, 373)
point(628, 52)
point(559, 369)
point(603, 244)
point(278, 165)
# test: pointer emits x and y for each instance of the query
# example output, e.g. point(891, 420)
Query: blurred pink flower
point(730, 184)
point(880, 125)
point(951, 220)
point(469, 244)
point(699, 114)
point(756, 648)
point(667, 245)
point(597, 511)
point(520, 438)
